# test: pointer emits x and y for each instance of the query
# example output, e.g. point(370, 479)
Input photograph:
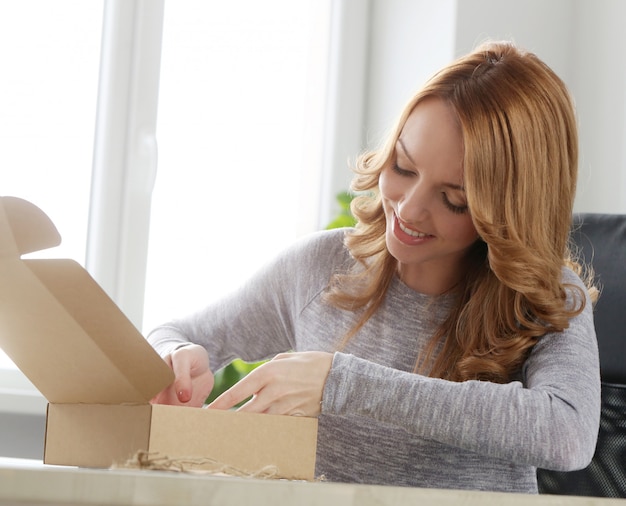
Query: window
point(240, 113)
point(47, 112)
point(240, 104)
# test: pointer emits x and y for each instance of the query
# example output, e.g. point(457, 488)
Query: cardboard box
point(98, 373)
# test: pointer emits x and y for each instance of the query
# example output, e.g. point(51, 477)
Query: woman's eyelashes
point(453, 207)
point(456, 209)
point(402, 172)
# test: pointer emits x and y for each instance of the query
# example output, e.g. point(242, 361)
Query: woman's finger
point(249, 386)
point(182, 371)
point(193, 378)
point(290, 384)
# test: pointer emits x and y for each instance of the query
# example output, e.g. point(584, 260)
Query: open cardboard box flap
point(99, 373)
point(60, 328)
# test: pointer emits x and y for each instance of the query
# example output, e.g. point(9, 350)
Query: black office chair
point(602, 242)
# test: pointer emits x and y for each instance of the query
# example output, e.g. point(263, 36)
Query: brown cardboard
point(245, 441)
point(99, 373)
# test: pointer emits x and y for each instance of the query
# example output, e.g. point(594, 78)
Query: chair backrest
point(601, 239)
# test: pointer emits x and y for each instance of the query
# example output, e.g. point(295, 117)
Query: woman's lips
point(408, 235)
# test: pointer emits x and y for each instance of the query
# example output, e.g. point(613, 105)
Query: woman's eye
point(402, 172)
point(453, 207)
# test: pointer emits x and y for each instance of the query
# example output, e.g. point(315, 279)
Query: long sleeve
point(550, 420)
point(380, 422)
point(258, 319)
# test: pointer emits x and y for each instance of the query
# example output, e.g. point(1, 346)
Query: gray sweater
point(383, 424)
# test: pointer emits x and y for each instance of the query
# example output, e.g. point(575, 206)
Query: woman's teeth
point(410, 232)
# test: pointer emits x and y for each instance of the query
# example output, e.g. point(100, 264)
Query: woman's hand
point(194, 379)
point(289, 384)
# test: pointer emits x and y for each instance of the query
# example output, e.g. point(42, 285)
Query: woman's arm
point(551, 420)
point(257, 320)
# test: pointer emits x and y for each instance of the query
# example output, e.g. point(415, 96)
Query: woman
point(446, 341)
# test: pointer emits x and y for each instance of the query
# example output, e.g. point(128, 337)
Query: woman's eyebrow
point(406, 152)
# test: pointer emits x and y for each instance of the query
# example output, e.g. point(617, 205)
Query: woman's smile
point(408, 235)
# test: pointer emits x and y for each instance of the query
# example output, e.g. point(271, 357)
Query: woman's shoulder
point(322, 244)
point(568, 275)
point(312, 253)
point(573, 280)
point(313, 258)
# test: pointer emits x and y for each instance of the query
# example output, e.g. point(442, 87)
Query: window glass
point(48, 93)
point(242, 83)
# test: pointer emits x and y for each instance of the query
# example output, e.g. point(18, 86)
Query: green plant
point(229, 375)
point(238, 369)
point(344, 218)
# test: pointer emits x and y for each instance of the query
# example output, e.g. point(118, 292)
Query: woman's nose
point(415, 204)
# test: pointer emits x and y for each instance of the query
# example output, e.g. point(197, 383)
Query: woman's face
point(429, 228)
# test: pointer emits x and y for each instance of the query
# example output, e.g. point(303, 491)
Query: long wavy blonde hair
point(520, 166)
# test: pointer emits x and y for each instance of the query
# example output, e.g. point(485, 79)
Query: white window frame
point(124, 168)
point(125, 151)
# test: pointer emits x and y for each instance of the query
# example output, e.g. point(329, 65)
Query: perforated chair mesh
point(601, 239)
point(606, 475)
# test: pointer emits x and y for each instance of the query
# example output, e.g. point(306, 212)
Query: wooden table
point(30, 483)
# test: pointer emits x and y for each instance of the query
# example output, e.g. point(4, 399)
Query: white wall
point(546, 28)
point(599, 86)
point(385, 49)
point(409, 41)
point(582, 40)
